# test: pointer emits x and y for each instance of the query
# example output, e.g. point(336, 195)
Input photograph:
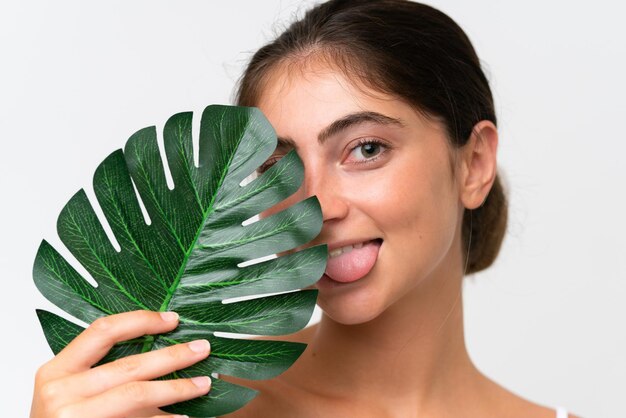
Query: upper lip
point(340, 244)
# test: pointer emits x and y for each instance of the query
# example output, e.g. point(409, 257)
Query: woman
point(387, 106)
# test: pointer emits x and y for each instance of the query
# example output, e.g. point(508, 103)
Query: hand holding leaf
point(189, 257)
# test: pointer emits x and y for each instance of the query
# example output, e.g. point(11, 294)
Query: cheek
point(418, 214)
point(414, 197)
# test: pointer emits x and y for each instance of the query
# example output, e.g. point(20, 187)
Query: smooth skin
point(390, 344)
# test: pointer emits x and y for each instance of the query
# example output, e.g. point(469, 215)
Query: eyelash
point(268, 164)
point(367, 141)
point(361, 142)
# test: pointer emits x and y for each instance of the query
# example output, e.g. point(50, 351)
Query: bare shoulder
point(510, 404)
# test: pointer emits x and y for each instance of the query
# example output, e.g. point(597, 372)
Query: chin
point(351, 305)
point(343, 317)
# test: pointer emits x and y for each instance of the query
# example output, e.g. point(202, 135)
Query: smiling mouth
point(351, 262)
point(343, 250)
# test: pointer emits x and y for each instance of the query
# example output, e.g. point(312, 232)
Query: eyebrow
point(344, 123)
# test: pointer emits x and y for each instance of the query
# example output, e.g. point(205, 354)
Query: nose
point(328, 190)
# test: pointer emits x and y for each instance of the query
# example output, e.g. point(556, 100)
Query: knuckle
point(145, 315)
point(182, 386)
point(43, 374)
point(127, 365)
point(176, 353)
point(101, 325)
point(64, 412)
point(135, 391)
point(49, 391)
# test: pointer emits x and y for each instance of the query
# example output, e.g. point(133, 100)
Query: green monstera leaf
point(196, 253)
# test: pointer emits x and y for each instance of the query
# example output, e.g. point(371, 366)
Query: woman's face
point(384, 175)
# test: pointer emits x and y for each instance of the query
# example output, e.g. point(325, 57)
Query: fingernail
point(180, 416)
point(199, 346)
point(202, 382)
point(169, 316)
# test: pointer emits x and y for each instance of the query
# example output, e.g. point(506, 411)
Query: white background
point(548, 321)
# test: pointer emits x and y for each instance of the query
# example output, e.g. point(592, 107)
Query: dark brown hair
point(409, 50)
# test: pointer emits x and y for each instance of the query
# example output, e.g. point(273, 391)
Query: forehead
point(313, 94)
point(302, 102)
point(315, 80)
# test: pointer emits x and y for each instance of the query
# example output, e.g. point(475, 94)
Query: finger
point(155, 412)
point(138, 367)
point(91, 345)
point(123, 400)
point(170, 416)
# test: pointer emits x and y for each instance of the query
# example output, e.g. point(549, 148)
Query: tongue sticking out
point(351, 266)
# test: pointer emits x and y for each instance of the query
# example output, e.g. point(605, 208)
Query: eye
point(367, 149)
point(267, 164)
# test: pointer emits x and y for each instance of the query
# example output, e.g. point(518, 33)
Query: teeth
point(335, 253)
point(338, 251)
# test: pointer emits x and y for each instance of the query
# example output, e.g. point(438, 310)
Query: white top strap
point(561, 412)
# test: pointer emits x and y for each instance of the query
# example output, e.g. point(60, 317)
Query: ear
point(479, 165)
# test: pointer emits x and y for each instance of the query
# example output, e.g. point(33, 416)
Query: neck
point(414, 351)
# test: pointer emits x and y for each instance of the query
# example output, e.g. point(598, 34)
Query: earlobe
point(479, 164)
